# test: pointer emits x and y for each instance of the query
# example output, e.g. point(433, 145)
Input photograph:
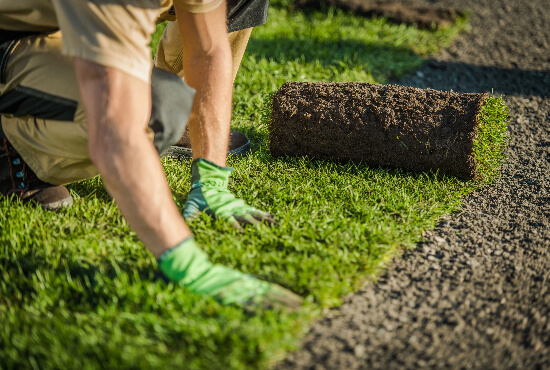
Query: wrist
point(205, 172)
point(184, 262)
point(167, 252)
point(207, 162)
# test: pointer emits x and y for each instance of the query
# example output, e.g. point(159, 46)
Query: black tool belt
point(8, 41)
point(23, 101)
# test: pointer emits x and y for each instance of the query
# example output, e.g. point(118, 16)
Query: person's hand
point(188, 266)
point(209, 194)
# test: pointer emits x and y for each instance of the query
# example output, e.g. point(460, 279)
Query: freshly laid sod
point(77, 287)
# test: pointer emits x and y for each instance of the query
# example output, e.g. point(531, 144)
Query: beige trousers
point(57, 149)
point(170, 51)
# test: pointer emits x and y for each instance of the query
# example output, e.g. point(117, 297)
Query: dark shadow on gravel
point(395, 11)
point(468, 78)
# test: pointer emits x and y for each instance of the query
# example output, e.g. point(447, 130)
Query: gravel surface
point(476, 293)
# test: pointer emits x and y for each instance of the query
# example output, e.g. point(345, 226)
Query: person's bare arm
point(117, 109)
point(207, 66)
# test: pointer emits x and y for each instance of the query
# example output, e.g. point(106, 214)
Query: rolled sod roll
point(386, 125)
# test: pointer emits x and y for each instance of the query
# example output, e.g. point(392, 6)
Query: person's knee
point(172, 100)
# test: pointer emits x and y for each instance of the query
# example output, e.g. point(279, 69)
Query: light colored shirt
point(113, 33)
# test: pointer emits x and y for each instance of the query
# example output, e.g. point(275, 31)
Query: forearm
point(117, 110)
point(209, 123)
point(207, 64)
point(133, 175)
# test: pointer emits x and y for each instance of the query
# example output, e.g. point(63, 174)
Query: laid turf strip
point(417, 130)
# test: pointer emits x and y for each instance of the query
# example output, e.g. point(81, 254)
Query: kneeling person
point(78, 96)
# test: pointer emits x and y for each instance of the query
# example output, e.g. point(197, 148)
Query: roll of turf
point(418, 130)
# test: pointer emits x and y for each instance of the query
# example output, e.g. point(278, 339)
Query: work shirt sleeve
point(113, 33)
point(198, 6)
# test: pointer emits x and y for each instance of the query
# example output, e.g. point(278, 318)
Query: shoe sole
point(178, 152)
point(54, 206)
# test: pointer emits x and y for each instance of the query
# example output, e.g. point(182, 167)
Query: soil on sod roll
point(394, 11)
point(381, 125)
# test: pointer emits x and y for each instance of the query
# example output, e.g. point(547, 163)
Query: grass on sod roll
point(77, 288)
point(492, 139)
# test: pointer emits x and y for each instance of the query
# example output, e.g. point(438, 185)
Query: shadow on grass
point(75, 282)
point(383, 61)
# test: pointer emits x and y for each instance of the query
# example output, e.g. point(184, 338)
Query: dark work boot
point(238, 146)
point(18, 180)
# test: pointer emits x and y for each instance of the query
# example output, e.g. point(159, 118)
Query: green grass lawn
point(77, 288)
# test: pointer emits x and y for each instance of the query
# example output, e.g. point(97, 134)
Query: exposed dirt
point(381, 125)
point(476, 293)
point(395, 11)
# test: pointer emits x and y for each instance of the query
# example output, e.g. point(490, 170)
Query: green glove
point(209, 194)
point(189, 266)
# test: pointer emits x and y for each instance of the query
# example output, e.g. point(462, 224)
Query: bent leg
point(170, 50)
point(43, 118)
point(169, 57)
